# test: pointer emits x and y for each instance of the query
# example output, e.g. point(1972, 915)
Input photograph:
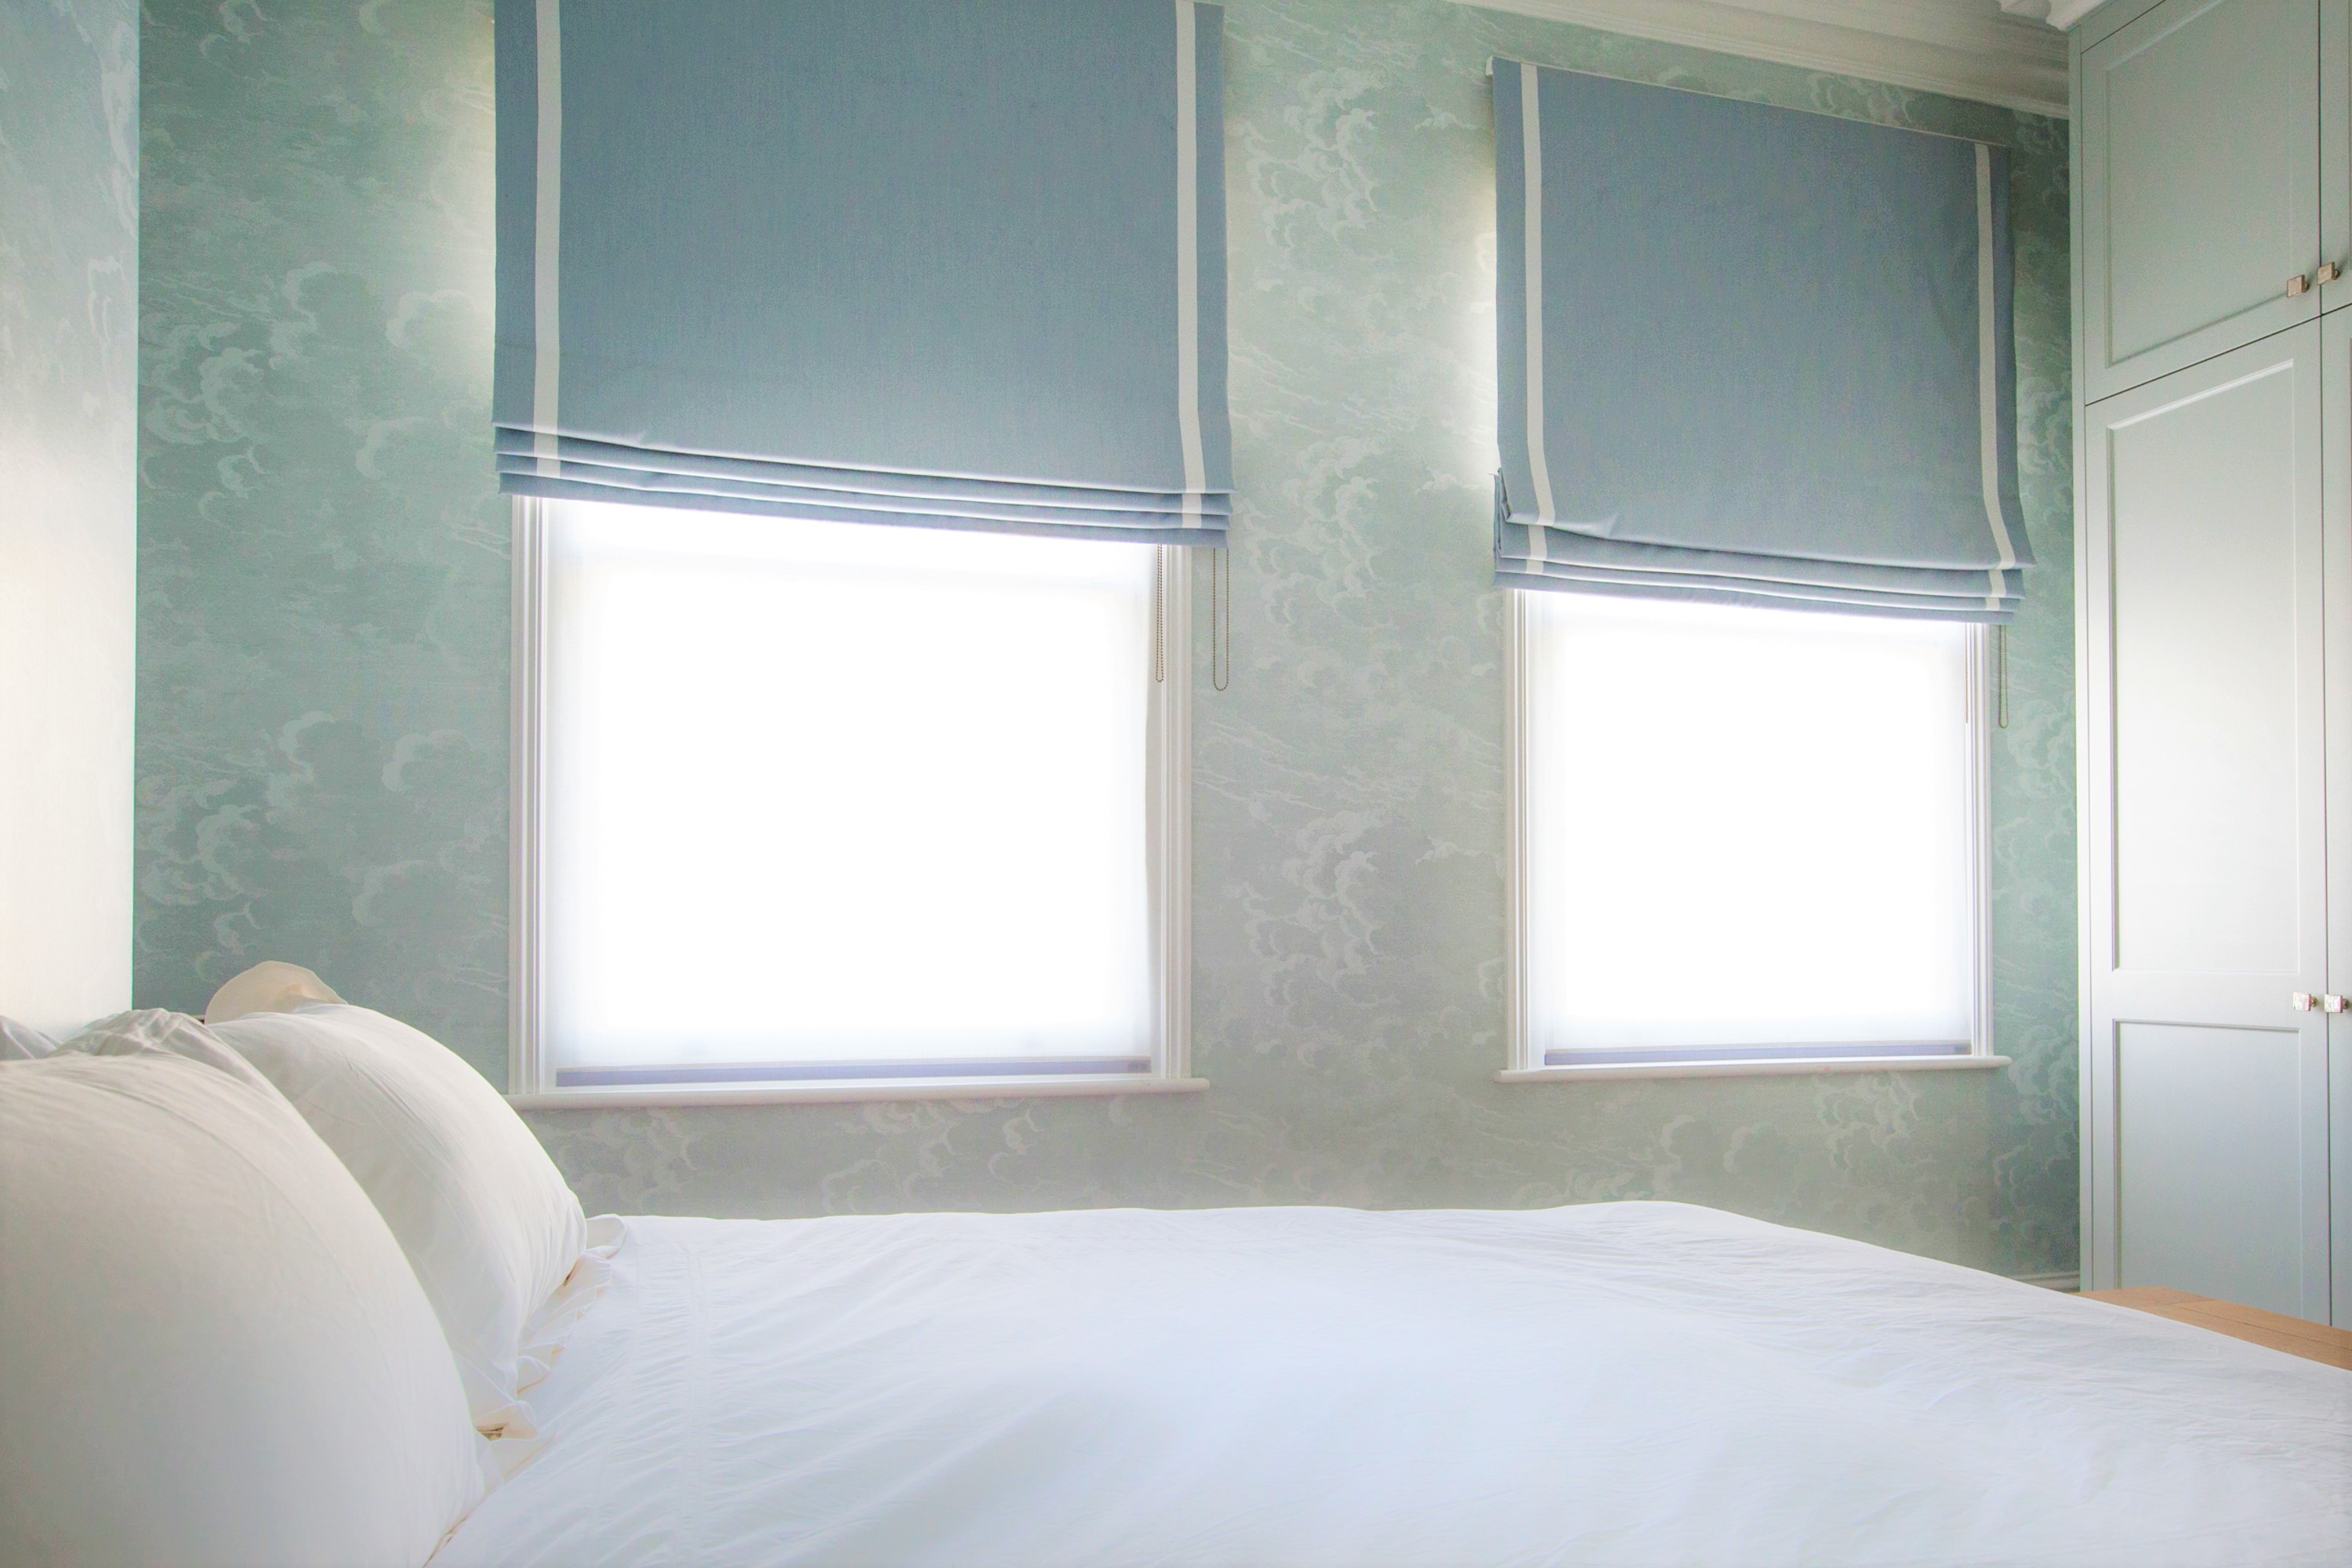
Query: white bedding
point(1615, 1383)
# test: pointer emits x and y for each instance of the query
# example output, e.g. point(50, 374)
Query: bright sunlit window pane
point(1747, 831)
point(849, 800)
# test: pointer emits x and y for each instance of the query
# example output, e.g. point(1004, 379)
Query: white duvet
point(1614, 1384)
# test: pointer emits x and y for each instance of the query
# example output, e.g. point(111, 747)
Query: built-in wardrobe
point(2213, 384)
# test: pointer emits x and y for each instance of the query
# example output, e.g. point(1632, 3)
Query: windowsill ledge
point(1782, 1067)
point(628, 1096)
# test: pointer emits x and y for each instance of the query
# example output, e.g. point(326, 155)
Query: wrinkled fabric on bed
point(1630, 1382)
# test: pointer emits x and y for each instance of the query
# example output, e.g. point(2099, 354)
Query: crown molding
point(2060, 14)
point(2066, 13)
point(1984, 50)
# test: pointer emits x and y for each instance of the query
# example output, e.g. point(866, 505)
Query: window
point(1745, 840)
point(824, 810)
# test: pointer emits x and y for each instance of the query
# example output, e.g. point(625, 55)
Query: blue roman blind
point(1750, 355)
point(950, 263)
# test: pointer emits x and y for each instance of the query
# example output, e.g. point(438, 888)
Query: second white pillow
point(486, 1220)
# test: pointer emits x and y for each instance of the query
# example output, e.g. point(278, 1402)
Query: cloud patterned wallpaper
point(322, 584)
point(324, 658)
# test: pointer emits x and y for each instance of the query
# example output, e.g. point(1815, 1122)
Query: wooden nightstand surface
point(2296, 1336)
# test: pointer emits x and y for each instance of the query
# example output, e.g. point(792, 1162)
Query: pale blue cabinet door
point(2205, 1147)
point(2335, 508)
point(2201, 185)
point(2335, 150)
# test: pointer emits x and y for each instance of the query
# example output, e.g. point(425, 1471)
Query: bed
point(1629, 1383)
point(296, 1286)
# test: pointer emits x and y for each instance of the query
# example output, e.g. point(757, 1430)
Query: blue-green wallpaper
point(322, 653)
point(324, 658)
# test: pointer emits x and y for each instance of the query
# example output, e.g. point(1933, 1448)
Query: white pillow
point(484, 1216)
point(213, 1350)
point(22, 1043)
point(267, 987)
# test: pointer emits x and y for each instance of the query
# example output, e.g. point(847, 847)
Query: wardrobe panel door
point(2200, 128)
point(2204, 691)
point(2335, 489)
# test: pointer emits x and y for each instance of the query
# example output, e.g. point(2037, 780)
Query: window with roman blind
point(860, 382)
point(1758, 504)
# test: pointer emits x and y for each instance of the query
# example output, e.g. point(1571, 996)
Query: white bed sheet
point(1629, 1382)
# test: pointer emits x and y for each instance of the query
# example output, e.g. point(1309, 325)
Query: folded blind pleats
point(1750, 355)
point(951, 265)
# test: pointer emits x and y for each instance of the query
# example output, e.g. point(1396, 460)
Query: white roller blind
point(1750, 833)
point(836, 800)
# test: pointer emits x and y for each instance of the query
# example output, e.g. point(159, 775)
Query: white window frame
point(1525, 1064)
point(1167, 775)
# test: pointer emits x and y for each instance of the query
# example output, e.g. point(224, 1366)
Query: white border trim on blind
point(1531, 181)
point(1989, 380)
point(1188, 262)
point(547, 240)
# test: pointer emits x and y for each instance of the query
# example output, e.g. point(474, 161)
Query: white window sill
point(626, 1095)
point(1781, 1067)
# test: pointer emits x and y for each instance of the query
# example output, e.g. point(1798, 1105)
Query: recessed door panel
point(2211, 1161)
point(2207, 649)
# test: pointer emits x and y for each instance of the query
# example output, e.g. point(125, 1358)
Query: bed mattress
point(1629, 1383)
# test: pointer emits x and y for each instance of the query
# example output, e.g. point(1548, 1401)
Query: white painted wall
point(69, 360)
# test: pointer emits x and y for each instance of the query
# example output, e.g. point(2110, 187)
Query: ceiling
point(2008, 52)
